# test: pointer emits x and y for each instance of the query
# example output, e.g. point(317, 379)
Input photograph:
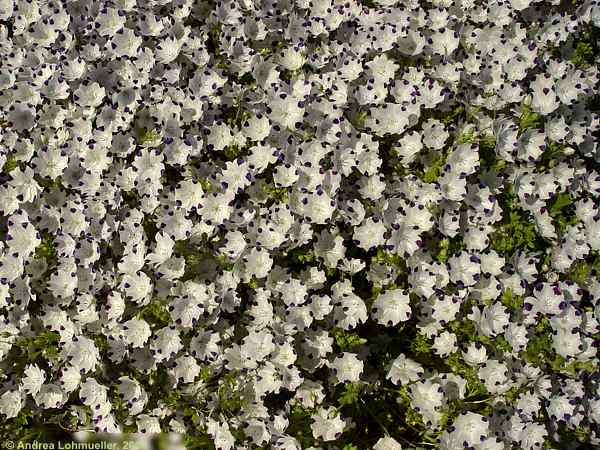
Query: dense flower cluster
point(301, 224)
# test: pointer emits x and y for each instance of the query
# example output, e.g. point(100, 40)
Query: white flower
point(444, 344)
point(349, 309)
point(218, 137)
point(21, 117)
point(136, 332)
point(426, 397)
point(50, 396)
point(257, 345)
point(494, 375)
point(109, 22)
point(186, 369)
point(167, 50)
point(369, 234)
point(318, 207)
point(404, 370)
point(257, 264)
point(136, 287)
point(148, 424)
point(391, 307)
point(464, 269)
point(220, 434)
point(391, 118)
point(347, 368)
point(544, 99)
point(89, 95)
point(327, 424)
point(475, 355)
point(11, 403)
point(33, 380)
point(286, 110)
point(468, 427)
point(24, 184)
point(387, 443)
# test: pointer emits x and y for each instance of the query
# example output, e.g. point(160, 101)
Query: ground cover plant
point(301, 224)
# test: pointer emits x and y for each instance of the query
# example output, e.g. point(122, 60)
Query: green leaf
point(583, 56)
point(433, 168)
point(475, 386)
point(10, 164)
point(529, 119)
point(559, 202)
point(46, 250)
point(421, 345)
point(351, 394)
point(511, 301)
point(446, 247)
point(156, 314)
point(389, 259)
point(517, 229)
point(231, 152)
point(148, 136)
point(346, 340)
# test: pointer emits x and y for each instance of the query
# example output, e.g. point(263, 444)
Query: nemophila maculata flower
point(300, 224)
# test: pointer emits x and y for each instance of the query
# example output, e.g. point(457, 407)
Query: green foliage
point(487, 153)
point(511, 301)
point(466, 136)
point(447, 247)
point(193, 256)
point(231, 152)
point(101, 342)
point(369, 3)
point(529, 119)
point(29, 428)
point(253, 283)
point(453, 117)
point(475, 386)
point(198, 442)
point(411, 417)
point(228, 394)
point(539, 352)
point(517, 230)
point(155, 313)
point(351, 394)
point(359, 119)
point(44, 344)
point(539, 348)
point(466, 332)
point(205, 373)
point(582, 272)
point(300, 421)
point(432, 168)
point(559, 202)
point(205, 184)
point(131, 198)
point(346, 340)
point(583, 56)
point(278, 195)
point(298, 258)
point(150, 227)
point(389, 259)
point(148, 137)
point(421, 345)
point(10, 164)
point(173, 399)
point(562, 212)
point(46, 250)
point(214, 38)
